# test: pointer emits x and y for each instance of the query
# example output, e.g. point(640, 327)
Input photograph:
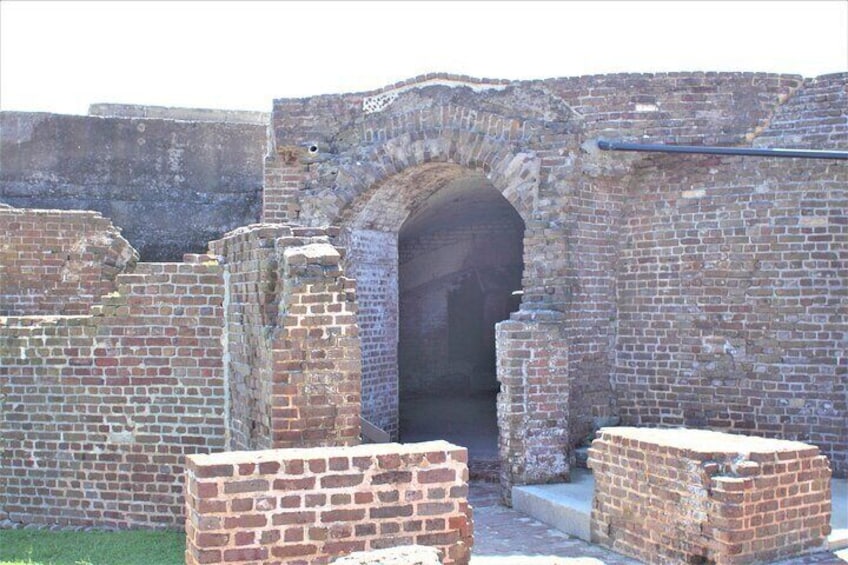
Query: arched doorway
point(460, 262)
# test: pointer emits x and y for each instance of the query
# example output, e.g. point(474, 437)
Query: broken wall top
point(682, 108)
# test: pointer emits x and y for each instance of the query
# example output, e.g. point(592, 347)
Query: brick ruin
point(444, 236)
point(698, 496)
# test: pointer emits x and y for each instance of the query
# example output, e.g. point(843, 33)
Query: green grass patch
point(33, 547)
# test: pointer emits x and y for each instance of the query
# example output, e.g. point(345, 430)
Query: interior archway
point(460, 262)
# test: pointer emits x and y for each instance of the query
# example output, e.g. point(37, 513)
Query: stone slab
point(565, 506)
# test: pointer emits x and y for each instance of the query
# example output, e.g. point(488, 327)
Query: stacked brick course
point(54, 262)
point(307, 506)
point(98, 412)
point(293, 362)
point(695, 496)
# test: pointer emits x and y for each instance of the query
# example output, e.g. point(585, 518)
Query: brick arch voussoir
point(512, 170)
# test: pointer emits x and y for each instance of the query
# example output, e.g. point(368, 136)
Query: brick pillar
point(532, 357)
point(285, 176)
point(316, 372)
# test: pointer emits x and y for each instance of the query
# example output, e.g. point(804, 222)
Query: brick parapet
point(683, 495)
point(58, 262)
point(311, 505)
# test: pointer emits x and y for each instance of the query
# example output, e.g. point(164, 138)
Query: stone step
point(564, 506)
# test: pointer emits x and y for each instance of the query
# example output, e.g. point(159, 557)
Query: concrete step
point(564, 506)
point(568, 506)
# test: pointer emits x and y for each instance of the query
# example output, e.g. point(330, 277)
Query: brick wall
point(813, 117)
point(374, 155)
point(283, 178)
point(310, 505)
point(706, 291)
point(293, 358)
point(54, 262)
point(683, 108)
point(98, 412)
point(373, 262)
point(593, 240)
point(693, 496)
point(729, 284)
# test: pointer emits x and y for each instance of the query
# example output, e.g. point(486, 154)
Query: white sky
point(62, 56)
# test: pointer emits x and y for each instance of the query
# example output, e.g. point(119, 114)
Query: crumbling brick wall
point(54, 262)
point(698, 290)
point(310, 505)
point(349, 156)
point(257, 346)
point(293, 360)
point(696, 496)
point(98, 412)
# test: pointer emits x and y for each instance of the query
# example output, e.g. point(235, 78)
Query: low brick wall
point(312, 505)
point(693, 496)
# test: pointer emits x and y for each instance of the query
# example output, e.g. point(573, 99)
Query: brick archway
point(367, 176)
point(370, 228)
point(370, 225)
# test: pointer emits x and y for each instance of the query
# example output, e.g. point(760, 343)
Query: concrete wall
point(169, 185)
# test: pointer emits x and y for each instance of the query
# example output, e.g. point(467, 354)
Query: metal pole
point(712, 150)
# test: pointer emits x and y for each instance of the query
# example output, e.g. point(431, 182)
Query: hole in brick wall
point(460, 263)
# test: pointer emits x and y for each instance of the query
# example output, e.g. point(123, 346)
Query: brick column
point(316, 366)
point(285, 176)
point(532, 358)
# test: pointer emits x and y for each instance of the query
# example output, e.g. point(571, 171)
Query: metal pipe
point(712, 150)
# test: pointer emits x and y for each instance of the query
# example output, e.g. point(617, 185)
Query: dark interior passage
point(460, 265)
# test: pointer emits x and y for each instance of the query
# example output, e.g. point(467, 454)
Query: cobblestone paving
point(503, 536)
